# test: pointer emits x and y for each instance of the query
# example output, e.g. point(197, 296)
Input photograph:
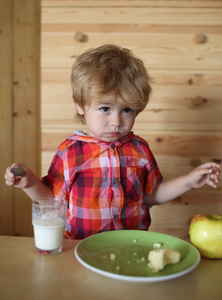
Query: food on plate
point(159, 258)
point(157, 245)
point(112, 256)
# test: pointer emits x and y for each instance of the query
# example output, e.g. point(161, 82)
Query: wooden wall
point(20, 106)
point(181, 45)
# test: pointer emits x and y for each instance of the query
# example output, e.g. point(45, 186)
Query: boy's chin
point(112, 137)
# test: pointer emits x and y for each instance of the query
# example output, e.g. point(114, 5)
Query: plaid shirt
point(104, 183)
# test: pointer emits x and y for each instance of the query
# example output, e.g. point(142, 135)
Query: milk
point(49, 233)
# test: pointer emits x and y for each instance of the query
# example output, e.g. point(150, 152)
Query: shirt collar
point(80, 136)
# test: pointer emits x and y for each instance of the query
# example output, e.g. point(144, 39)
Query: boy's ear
point(80, 109)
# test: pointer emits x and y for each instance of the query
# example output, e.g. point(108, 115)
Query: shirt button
point(115, 216)
point(115, 180)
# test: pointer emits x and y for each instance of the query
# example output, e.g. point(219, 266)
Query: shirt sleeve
point(56, 178)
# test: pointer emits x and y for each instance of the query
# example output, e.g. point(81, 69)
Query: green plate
point(122, 254)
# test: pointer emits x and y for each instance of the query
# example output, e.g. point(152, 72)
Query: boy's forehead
point(110, 101)
point(108, 98)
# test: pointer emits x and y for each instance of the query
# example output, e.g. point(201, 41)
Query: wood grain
point(20, 100)
point(6, 153)
point(132, 3)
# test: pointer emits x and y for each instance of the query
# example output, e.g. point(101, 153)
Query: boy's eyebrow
point(103, 103)
point(111, 103)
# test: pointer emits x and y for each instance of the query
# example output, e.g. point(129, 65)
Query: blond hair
point(110, 70)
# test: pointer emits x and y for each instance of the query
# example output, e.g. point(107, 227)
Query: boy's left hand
point(206, 174)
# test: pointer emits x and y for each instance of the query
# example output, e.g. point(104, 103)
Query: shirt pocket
point(134, 183)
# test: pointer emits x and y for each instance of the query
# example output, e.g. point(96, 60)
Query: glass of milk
point(48, 219)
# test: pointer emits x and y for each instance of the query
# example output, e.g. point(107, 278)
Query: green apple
point(206, 235)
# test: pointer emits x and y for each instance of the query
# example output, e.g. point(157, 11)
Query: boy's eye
point(128, 110)
point(105, 109)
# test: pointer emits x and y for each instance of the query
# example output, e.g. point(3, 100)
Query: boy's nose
point(115, 120)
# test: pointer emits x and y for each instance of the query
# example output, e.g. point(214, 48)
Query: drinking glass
point(48, 220)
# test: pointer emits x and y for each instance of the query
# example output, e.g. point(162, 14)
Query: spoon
point(17, 171)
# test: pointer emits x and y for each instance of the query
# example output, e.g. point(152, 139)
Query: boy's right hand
point(18, 181)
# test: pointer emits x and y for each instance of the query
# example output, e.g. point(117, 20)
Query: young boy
point(108, 175)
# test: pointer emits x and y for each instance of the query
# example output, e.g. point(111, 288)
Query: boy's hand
point(206, 174)
point(18, 180)
point(29, 182)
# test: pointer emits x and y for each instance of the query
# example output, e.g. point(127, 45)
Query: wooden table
point(25, 274)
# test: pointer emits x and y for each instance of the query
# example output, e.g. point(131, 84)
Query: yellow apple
point(206, 235)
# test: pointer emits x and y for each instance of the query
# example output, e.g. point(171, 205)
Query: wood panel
point(134, 15)
point(168, 51)
point(26, 110)
point(133, 3)
point(154, 34)
point(6, 199)
point(20, 99)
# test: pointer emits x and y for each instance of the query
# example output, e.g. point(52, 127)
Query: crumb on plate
point(112, 256)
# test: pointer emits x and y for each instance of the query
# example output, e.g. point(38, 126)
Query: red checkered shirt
point(104, 183)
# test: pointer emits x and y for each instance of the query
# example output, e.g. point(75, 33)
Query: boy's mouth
point(116, 133)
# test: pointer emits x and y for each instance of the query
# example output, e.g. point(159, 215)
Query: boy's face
point(108, 120)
